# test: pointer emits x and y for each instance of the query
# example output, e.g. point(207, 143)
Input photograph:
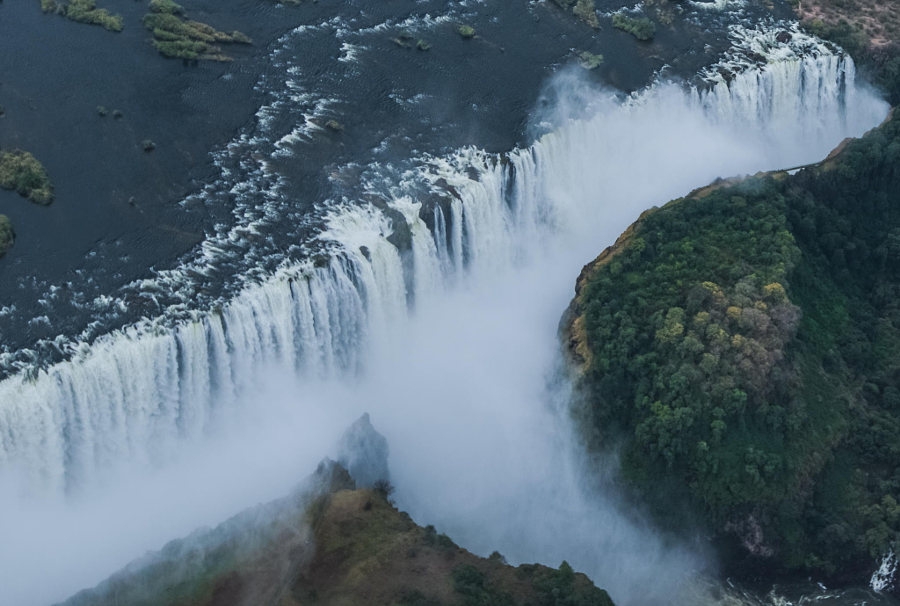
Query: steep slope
point(330, 544)
point(744, 344)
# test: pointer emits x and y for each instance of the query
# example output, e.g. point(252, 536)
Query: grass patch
point(20, 171)
point(7, 235)
point(641, 28)
point(180, 38)
point(466, 31)
point(84, 11)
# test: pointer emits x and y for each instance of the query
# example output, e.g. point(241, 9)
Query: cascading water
point(144, 393)
point(137, 393)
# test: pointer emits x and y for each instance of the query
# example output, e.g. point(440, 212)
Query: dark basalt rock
point(364, 453)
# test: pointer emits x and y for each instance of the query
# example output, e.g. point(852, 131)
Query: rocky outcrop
point(364, 453)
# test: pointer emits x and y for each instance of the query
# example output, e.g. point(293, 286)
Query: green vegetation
point(641, 28)
point(745, 344)
point(117, 114)
point(102, 111)
point(335, 126)
point(590, 60)
point(420, 45)
point(561, 587)
point(7, 235)
point(148, 146)
point(466, 31)
point(472, 585)
point(83, 11)
point(22, 172)
point(176, 37)
point(585, 10)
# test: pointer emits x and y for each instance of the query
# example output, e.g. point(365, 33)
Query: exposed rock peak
point(364, 453)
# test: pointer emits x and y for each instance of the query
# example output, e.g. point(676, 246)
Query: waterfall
point(138, 393)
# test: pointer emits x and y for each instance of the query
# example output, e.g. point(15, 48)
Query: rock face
point(364, 453)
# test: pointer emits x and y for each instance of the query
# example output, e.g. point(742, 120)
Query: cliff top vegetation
point(743, 342)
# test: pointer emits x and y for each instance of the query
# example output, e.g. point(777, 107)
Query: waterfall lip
point(175, 296)
point(763, 45)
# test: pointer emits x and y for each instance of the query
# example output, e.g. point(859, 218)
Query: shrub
point(335, 126)
point(472, 585)
point(642, 28)
point(466, 31)
point(444, 542)
point(117, 114)
point(421, 45)
point(22, 172)
point(7, 235)
point(148, 145)
point(430, 535)
point(590, 60)
point(384, 489)
point(102, 111)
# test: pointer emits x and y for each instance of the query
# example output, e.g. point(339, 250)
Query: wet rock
point(364, 453)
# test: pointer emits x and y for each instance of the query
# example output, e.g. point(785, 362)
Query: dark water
point(122, 215)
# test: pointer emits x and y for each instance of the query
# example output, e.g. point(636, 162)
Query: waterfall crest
point(137, 393)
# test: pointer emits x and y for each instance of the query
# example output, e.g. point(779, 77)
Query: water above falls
point(435, 309)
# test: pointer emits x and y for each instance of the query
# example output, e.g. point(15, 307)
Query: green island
point(590, 60)
point(743, 344)
point(177, 37)
point(83, 11)
point(330, 543)
point(641, 28)
point(585, 10)
point(20, 171)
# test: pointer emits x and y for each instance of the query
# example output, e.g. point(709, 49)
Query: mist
point(468, 389)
